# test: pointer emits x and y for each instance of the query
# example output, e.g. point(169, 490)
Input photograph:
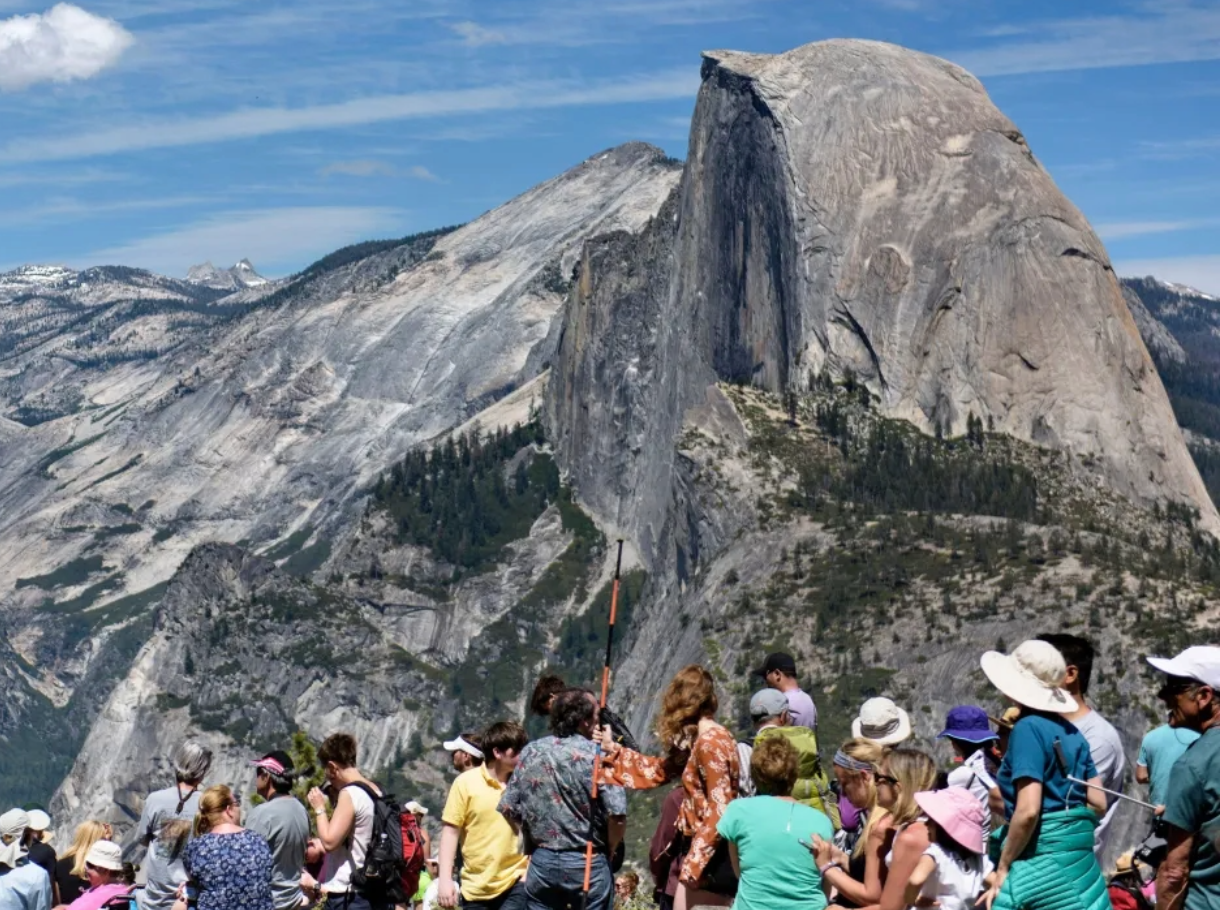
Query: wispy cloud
point(361, 168)
point(475, 35)
point(64, 44)
point(254, 122)
point(1169, 33)
point(69, 209)
point(419, 172)
point(1201, 272)
point(1178, 149)
point(373, 168)
point(1120, 230)
point(269, 238)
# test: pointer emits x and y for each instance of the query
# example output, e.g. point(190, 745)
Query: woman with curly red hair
point(704, 754)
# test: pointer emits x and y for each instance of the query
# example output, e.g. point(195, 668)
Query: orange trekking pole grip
point(597, 757)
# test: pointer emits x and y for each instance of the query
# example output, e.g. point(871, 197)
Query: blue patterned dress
point(231, 871)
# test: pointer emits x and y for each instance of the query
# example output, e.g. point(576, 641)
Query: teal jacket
point(1057, 871)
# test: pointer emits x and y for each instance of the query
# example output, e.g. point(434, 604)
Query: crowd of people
point(1015, 818)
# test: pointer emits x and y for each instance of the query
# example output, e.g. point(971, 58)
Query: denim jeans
point(512, 899)
point(556, 881)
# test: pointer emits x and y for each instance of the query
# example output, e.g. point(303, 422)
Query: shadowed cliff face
point(865, 209)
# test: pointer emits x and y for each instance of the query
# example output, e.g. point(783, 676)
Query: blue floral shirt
point(549, 795)
point(231, 871)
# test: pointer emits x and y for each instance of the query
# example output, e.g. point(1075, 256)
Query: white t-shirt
point(338, 865)
point(1107, 751)
point(972, 775)
point(955, 883)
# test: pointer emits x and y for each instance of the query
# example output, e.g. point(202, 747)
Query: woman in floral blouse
point(704, 754)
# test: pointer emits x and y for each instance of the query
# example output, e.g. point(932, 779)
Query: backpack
point(812, 785)
point(395, 855)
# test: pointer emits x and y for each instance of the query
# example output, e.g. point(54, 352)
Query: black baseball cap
point(778, 661)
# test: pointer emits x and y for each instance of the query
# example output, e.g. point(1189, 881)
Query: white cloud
point(1174, 33)
point(1119, 230)
point(361, 168)
point(371, 168)
point(419, 172)
point(1201, 272)
point(63, 44)
point(475, 35)
point(276, 239)
point(268, 121)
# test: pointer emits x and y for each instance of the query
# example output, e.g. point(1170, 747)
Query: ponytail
point(215, 801)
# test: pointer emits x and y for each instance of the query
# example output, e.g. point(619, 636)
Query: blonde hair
point(872, 754)
point(915, 772)
point(87, 834)
point(215, 801)
point(689, 697)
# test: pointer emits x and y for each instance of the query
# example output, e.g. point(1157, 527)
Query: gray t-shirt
point(163, 863)
point(1107, 751)
point(285, 825)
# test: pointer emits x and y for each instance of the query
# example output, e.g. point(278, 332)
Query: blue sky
point(161, 133)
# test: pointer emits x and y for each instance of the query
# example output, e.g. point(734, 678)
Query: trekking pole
point(1063, 766)
point(597, 755)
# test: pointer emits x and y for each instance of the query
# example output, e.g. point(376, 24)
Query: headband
point(843, 760)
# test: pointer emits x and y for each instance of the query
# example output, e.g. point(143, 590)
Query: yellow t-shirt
point(492, 861)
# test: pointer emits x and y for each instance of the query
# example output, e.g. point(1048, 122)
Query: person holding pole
point(704, 754)
point(550, 799)
point(1047, 852)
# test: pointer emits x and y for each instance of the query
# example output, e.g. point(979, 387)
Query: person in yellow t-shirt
point(493, 866)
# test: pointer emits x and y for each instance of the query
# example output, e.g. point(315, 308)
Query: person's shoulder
point(1102, 727)
point(1202, 755)
point(812, 816)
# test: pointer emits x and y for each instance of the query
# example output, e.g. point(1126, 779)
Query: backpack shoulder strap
point(365, 788)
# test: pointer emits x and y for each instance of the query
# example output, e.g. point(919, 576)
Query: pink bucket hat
point(959, 813)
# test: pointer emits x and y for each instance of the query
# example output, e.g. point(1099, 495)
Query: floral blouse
point(710, 780)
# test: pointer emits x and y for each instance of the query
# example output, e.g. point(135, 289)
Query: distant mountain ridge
point(240, 276)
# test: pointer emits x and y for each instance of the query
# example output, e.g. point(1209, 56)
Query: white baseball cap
point(1201, 662)
point(39, 820)
point(461, 745)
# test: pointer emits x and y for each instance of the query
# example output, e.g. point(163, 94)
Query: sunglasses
point(886, 779)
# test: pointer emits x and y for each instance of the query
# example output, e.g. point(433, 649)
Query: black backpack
point(395, 854)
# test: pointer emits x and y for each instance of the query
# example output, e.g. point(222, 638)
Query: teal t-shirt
point(1193, 804)
point(777, 873)
point(1159, 750)
point(1031, 754)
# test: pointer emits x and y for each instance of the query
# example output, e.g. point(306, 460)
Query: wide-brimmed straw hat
point(882, 721)
point(1032, 676)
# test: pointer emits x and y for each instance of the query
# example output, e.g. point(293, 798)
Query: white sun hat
point(39, 820)
point(105, 854)
point(1032, 676)
point(882, 721)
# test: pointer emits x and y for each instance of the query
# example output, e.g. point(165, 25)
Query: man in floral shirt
point(550, 797)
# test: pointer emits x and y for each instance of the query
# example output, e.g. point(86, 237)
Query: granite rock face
point(857, 207)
